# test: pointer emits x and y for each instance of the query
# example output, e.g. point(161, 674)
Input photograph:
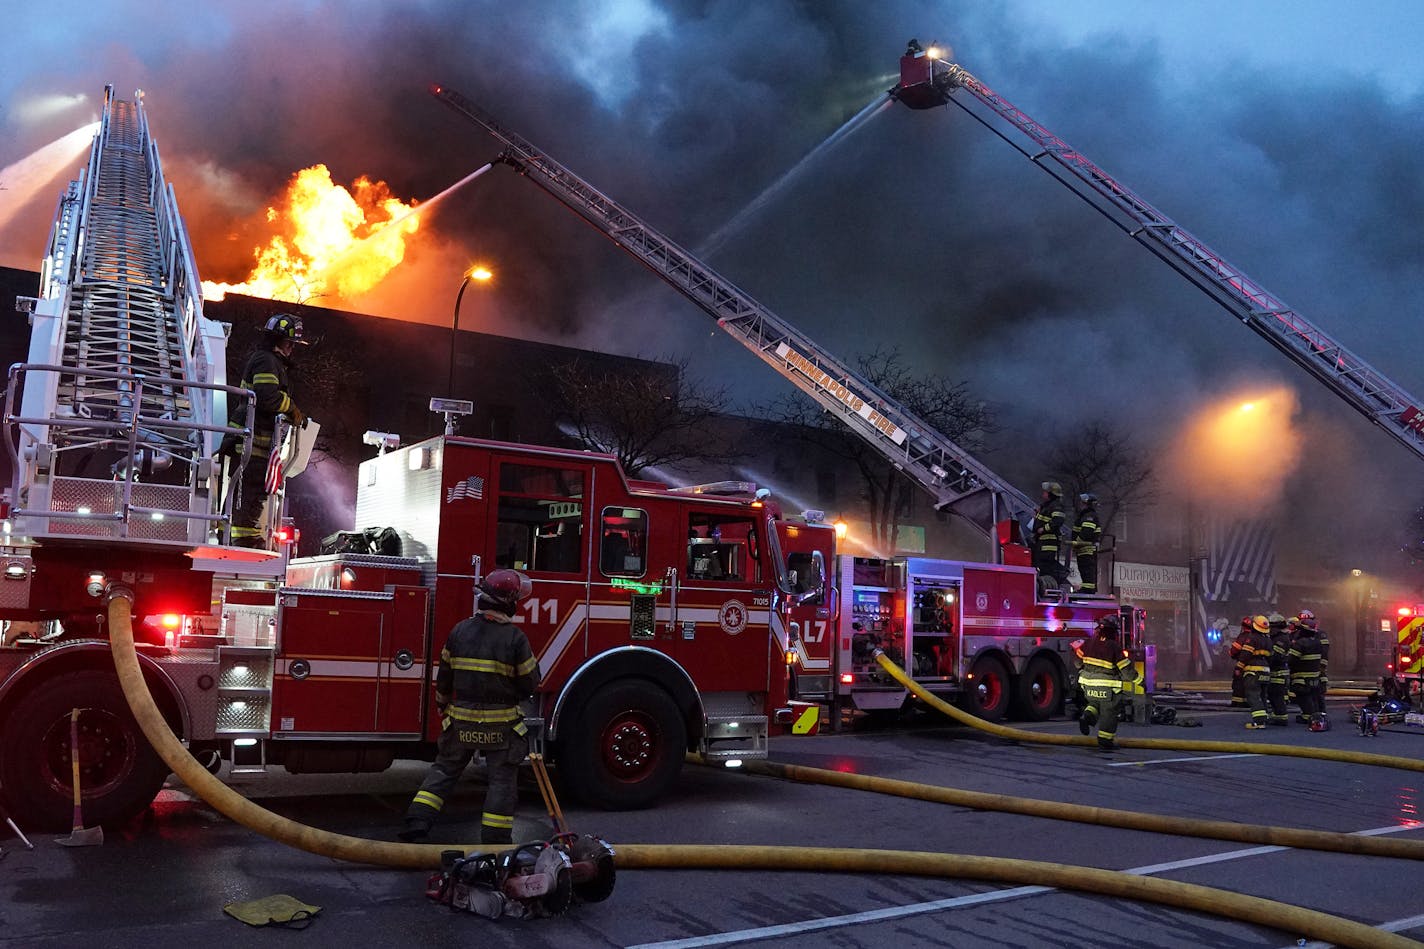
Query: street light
point(481, 274)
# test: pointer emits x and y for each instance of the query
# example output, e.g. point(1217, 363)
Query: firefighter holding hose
point(486, 669)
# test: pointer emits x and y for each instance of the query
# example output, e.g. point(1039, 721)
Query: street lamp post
point(481, 274)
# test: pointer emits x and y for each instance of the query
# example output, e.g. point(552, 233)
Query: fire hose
point(1254, 910)
point(1162, 744)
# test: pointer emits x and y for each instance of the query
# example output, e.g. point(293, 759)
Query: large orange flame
point(328, 242)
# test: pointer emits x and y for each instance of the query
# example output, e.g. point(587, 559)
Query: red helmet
point(506, 587)
point(1307, 618)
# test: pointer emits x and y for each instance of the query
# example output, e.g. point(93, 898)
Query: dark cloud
point(920, 230)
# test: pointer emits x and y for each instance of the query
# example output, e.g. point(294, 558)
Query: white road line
point(1393, 926)
point(917, 909)
point(1140, 764)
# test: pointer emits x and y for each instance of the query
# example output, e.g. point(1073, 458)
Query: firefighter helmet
point(1307, 618)
point(1087, 499)
point(1276, 619)
point(1260, 624)
point(505, 588)
point(1108, 627)
point(1245, 622)
point(285, 326)
point(1053, 489)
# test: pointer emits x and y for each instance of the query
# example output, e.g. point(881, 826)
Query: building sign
point(1150, 581)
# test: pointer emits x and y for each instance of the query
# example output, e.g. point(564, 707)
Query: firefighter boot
point(416, 829)
point(1087, 720)
point(1106, 744)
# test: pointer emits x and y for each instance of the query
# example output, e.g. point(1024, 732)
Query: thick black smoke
point(921, 231)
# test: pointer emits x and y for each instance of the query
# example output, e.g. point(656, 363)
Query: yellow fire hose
point(1163, 744)
point(1249, 909)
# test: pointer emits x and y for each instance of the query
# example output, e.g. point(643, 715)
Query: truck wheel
point(119, 773)
point(1039, 690)
point(625, 748)
point(988, 694)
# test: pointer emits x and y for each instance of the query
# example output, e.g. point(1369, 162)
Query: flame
point(328, 241)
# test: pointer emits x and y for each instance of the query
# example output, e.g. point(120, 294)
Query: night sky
point(1284, 134)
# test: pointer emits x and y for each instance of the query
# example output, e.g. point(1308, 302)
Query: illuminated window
point(540, 519)
point(623, 542)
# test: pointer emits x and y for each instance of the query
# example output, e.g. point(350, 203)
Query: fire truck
point(659, 615)
point(985, 634)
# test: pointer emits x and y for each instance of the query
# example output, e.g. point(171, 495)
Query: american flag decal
point(471, 487)
point(274, 475)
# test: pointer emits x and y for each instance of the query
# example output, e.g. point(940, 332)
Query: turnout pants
point(1307, 695)
point(1276, 696)
point(1102, 710)
point(1088, 572)
point(1254, 688)
point(502, 764)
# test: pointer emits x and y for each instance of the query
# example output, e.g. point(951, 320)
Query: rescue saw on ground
point(533, 880)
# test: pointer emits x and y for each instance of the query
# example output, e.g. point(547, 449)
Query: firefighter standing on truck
point(1106, 668)
point(266, 375)
point(1256, 669)
point(1047, 532)
point(1086, 534)
point(486, 670)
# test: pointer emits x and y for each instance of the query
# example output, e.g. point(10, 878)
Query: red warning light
point(1405, 611)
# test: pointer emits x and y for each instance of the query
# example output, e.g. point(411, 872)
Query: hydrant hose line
point(1235, 747)
point(1204, 899)
point(1254, 910)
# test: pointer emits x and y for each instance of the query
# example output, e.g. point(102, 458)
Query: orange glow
point(841, 529)
point(1239, 452)
point(171, 620)
point(479, 272)
point(327, 241)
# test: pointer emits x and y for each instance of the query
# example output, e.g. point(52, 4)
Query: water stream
point(740, 220)
point(21, 181)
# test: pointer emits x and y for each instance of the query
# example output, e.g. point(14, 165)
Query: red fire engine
point(997, 645)
point(657, 614)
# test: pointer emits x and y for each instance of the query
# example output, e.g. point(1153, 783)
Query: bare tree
point(645, 419)
point(1098, 459)
point(948, 407)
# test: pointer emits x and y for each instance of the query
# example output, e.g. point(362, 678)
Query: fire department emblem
point(981, 601)
point(732, 617)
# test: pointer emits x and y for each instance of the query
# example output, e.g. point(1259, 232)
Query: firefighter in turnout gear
point(1304, 658)
point(1278, 683)
point(1106, 667)
point(1086, 534)
point(1236, 649)
point(1308, 620)
point(1048, 523)
point(1256, 669)
point(266, 375)
point(486, 669)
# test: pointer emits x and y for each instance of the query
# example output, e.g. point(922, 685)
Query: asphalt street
point(164, 880)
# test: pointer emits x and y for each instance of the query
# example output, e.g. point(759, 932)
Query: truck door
point(723, 613)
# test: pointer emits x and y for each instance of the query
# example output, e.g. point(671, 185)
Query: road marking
point(1393, 926)
point(1139, 764)
point(917, 909)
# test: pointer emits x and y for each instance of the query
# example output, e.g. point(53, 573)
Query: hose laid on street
point(1162, 744)
point(1248, 909)
point(1295, 837)
point(1253, 910)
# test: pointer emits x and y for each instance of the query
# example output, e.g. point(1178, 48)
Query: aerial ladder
point(927, 81)
point(113, 420)
point(956, 481)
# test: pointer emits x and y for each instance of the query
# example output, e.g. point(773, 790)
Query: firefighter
point(266, 375)
point(1086, 534)
point(1238, 692)
point(486, 670)
point(1256, 669)
point(1322, 685)
point(1106, 667)
point(1048, 523)
point(1277, 684)
point(1305, 671)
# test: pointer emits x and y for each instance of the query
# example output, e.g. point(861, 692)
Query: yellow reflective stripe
point(483, 715)
point(520, 728)
point(1090, 661)
point(527, 666)
point(429, 800)
point(245, 532)
point(267, 378)
point(482, 665)
point(286, 405)
point(502, 821)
